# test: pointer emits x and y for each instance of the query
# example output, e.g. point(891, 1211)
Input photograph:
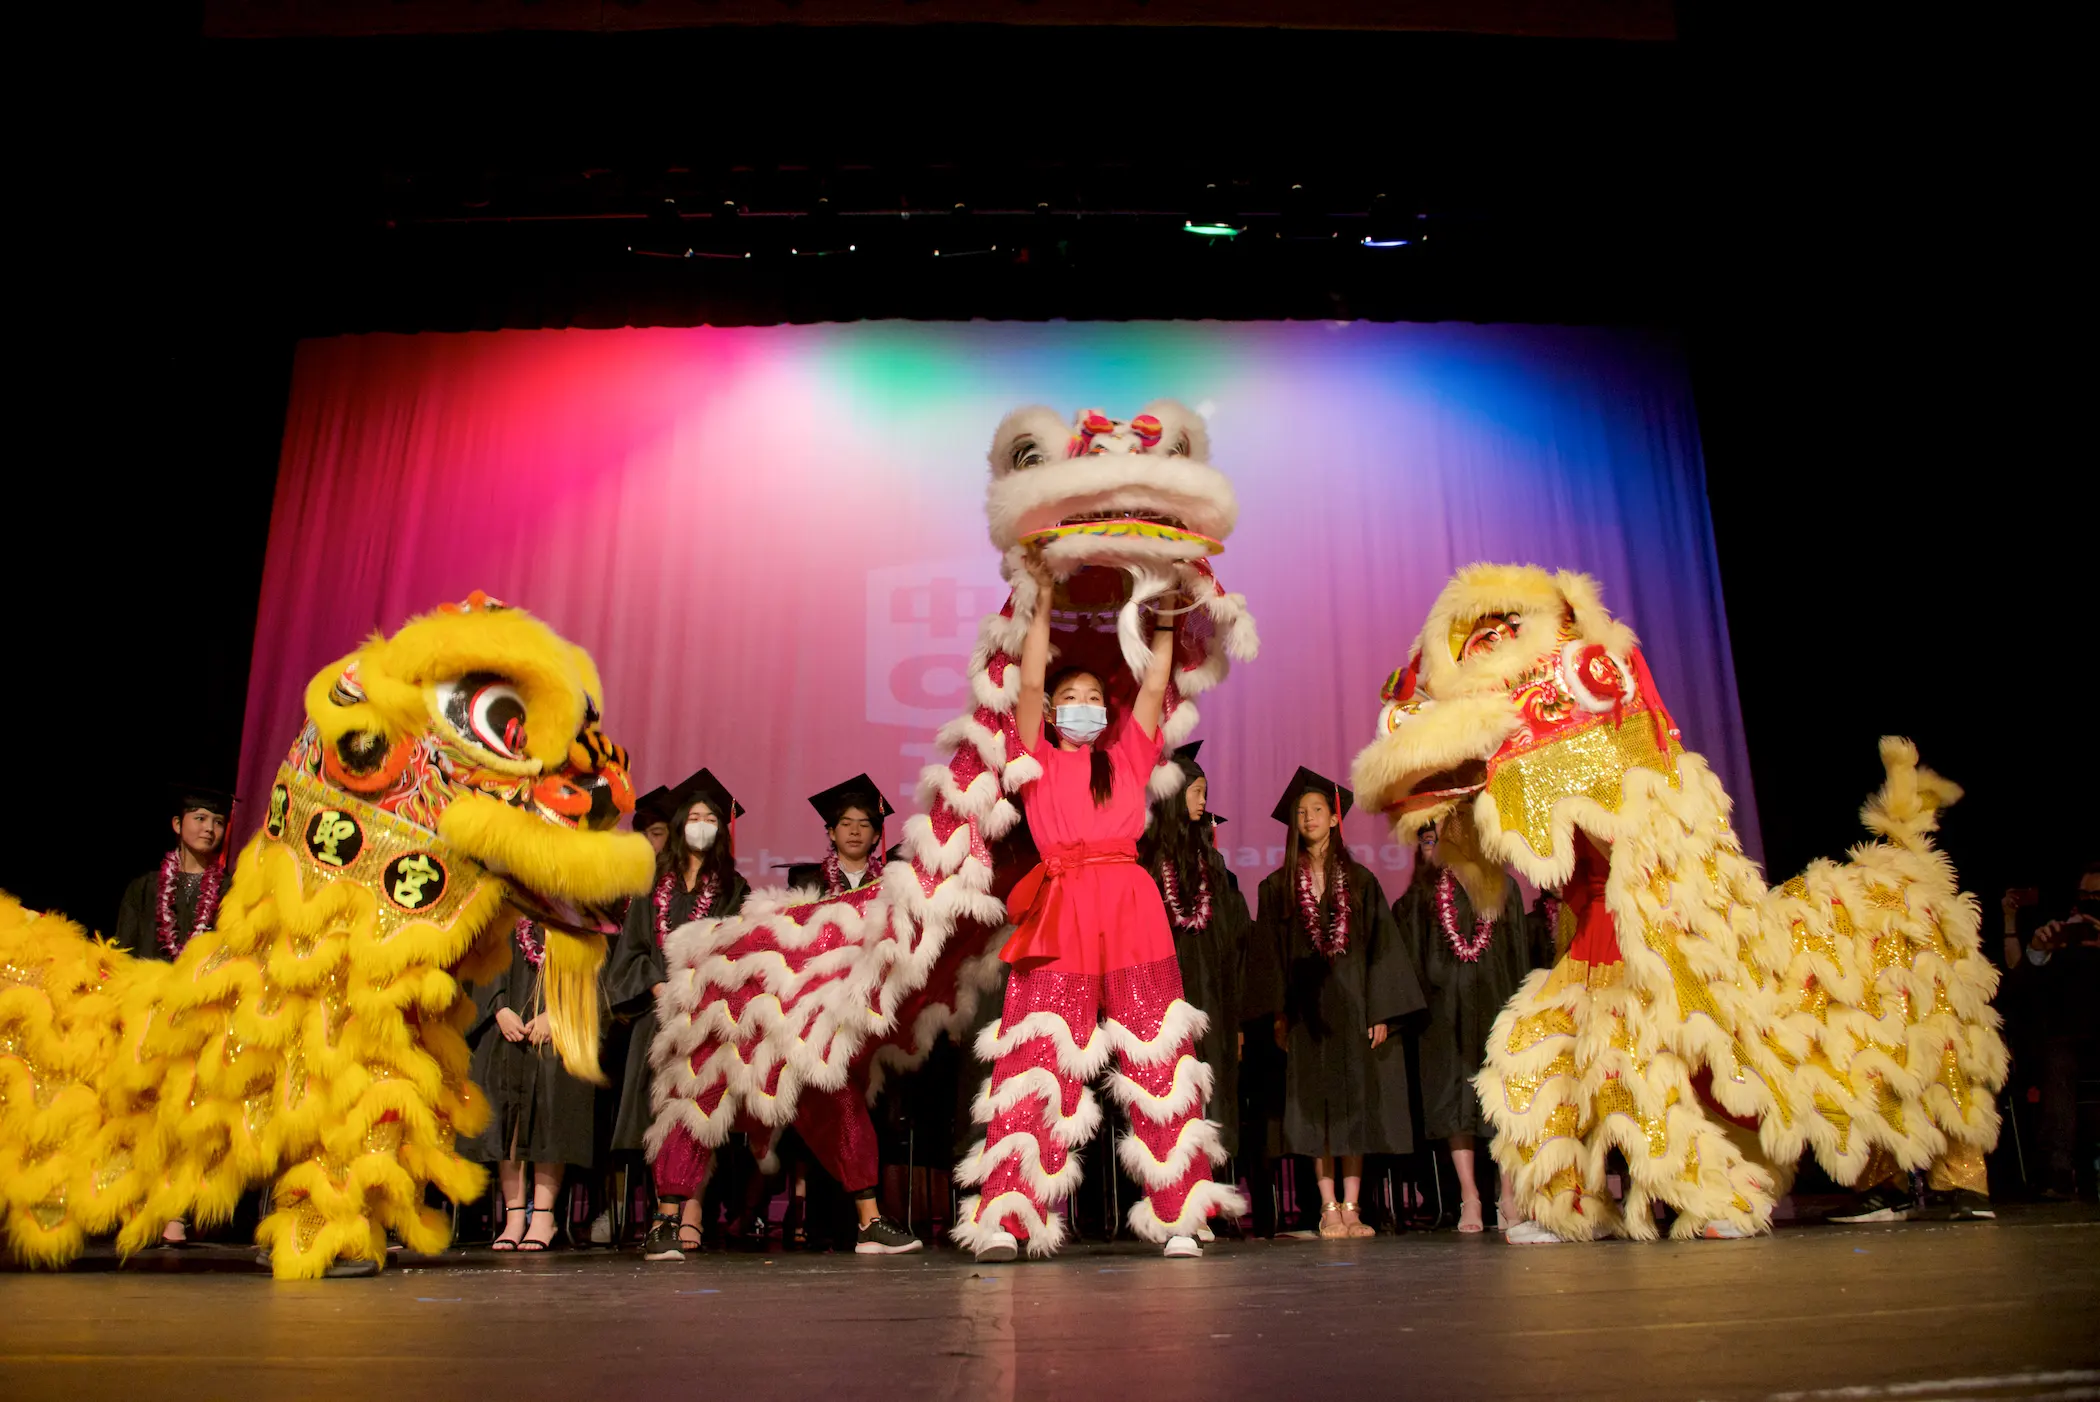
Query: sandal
point(507, 1242)
point(1353, 1226)
point(1332, 1211)
point(1470, 1217)
point(698, 1243)
point(533, 1243)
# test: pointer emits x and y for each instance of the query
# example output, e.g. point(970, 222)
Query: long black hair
point(720, 856)
point(1101, 771)
point(1177, 839)
point(1339, 861)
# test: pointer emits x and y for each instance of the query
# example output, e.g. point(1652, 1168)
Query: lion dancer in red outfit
point(1093, 977)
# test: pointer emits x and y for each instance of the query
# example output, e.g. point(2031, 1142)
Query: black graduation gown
point(1464, 999)
point(631, 976)
point(810, 875)
point(138, 916)
point(538, 1112)
point(1340, 1095)
point(1213, 961)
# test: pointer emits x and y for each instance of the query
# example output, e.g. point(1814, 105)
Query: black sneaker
point(882, 1237)
point(662, 1242)
point(1881, 1205)
point(1960, 1205)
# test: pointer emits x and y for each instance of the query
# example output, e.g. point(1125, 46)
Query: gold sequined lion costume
point(448, 778)
point(1707, 1027)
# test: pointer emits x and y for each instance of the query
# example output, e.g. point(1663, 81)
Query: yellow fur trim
point(590, 867)
point(569, 979)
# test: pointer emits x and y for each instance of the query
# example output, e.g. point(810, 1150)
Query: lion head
point(478, 725)
point(1521, 708)
point(1104, 491)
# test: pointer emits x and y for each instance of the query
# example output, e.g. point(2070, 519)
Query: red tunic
point(1089, 907)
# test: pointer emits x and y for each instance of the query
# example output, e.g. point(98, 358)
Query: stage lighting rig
point(1394, 225)
point(1210, 218)
point(1303, 220)
point(818, 234)
point(962, 234)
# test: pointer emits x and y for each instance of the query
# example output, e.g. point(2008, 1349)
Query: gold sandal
point(1340, 1228)
point(1354, 1226)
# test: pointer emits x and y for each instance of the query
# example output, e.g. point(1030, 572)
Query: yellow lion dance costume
point(448, 776)
point(1708, 1028)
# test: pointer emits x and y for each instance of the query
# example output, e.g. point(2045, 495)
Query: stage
point(1999, 1310)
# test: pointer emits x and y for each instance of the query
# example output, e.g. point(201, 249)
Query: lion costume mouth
point(1102, 491)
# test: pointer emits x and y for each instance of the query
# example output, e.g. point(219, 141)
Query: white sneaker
point(1531, 1234)
point(1722, 1231)
point(1182, 1248)
point(601, 1229)
point(998, 1246)
point(1206, 1235)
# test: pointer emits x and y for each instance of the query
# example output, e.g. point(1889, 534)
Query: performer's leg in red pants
point(1048, 1044)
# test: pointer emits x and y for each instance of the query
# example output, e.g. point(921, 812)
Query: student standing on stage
point(1208, 917)
point(164, 908)
point(652, 816)
point(540, 1116)
point(1470, 967)
point(1326, 960)
point(696, 878)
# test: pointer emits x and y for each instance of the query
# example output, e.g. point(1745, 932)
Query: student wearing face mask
point(696, 878)
point(1090, 938)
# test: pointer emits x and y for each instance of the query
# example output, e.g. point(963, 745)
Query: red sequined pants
point(1051, 1040)
point(833, 1123)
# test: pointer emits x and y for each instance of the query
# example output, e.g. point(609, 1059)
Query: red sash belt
point(1033, 902)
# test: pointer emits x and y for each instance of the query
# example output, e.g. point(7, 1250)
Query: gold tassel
point(569, 978)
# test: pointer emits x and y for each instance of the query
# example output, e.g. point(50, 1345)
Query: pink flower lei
point(1170, 887)
point(835, 875)
point(1333, 940)
point(532, 942)
point(1469, 950)
point(703, 901)
point(171, 940)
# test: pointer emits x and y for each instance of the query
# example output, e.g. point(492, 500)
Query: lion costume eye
point(1489, 633)
point(487, 710)
point(1027, 454)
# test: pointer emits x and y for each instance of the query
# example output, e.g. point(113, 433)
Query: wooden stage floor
point(2000, 1310)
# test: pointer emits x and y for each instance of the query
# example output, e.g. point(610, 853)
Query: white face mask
point(700, 834)
point(1081, 724)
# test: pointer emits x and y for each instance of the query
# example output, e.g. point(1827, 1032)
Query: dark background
point(1852, 226)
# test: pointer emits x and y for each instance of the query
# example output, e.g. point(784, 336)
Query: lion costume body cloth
point(794, 1000)
point(1707, 1027)
point(449, 778)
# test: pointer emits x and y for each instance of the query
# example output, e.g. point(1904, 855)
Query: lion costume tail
point(77, 1101)
point(1906, 809)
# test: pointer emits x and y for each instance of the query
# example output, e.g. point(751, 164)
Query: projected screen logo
point(922, 627)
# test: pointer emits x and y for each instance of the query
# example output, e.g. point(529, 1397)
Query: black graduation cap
point(185, 798)
point(653, 807)
point(857, 792)
point(1305, 781)
point(1186, 758)
point(1214, 819)
point(705, 785)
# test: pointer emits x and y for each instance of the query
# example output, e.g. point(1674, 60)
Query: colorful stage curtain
point(772, 538)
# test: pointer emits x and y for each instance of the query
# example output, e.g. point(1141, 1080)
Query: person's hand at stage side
point(540, 1030)
point(1283, 1033)
point(510, 1025)
point(1378, 1034)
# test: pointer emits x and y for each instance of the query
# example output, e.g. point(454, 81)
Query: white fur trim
point(1070, 1131)
point(977, 1220)
point(1206, 1200)
point(1081, 1063)
point(979, 1163)
point(1181, 1024)
point(1197, 1139)
point(1191, 1090)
